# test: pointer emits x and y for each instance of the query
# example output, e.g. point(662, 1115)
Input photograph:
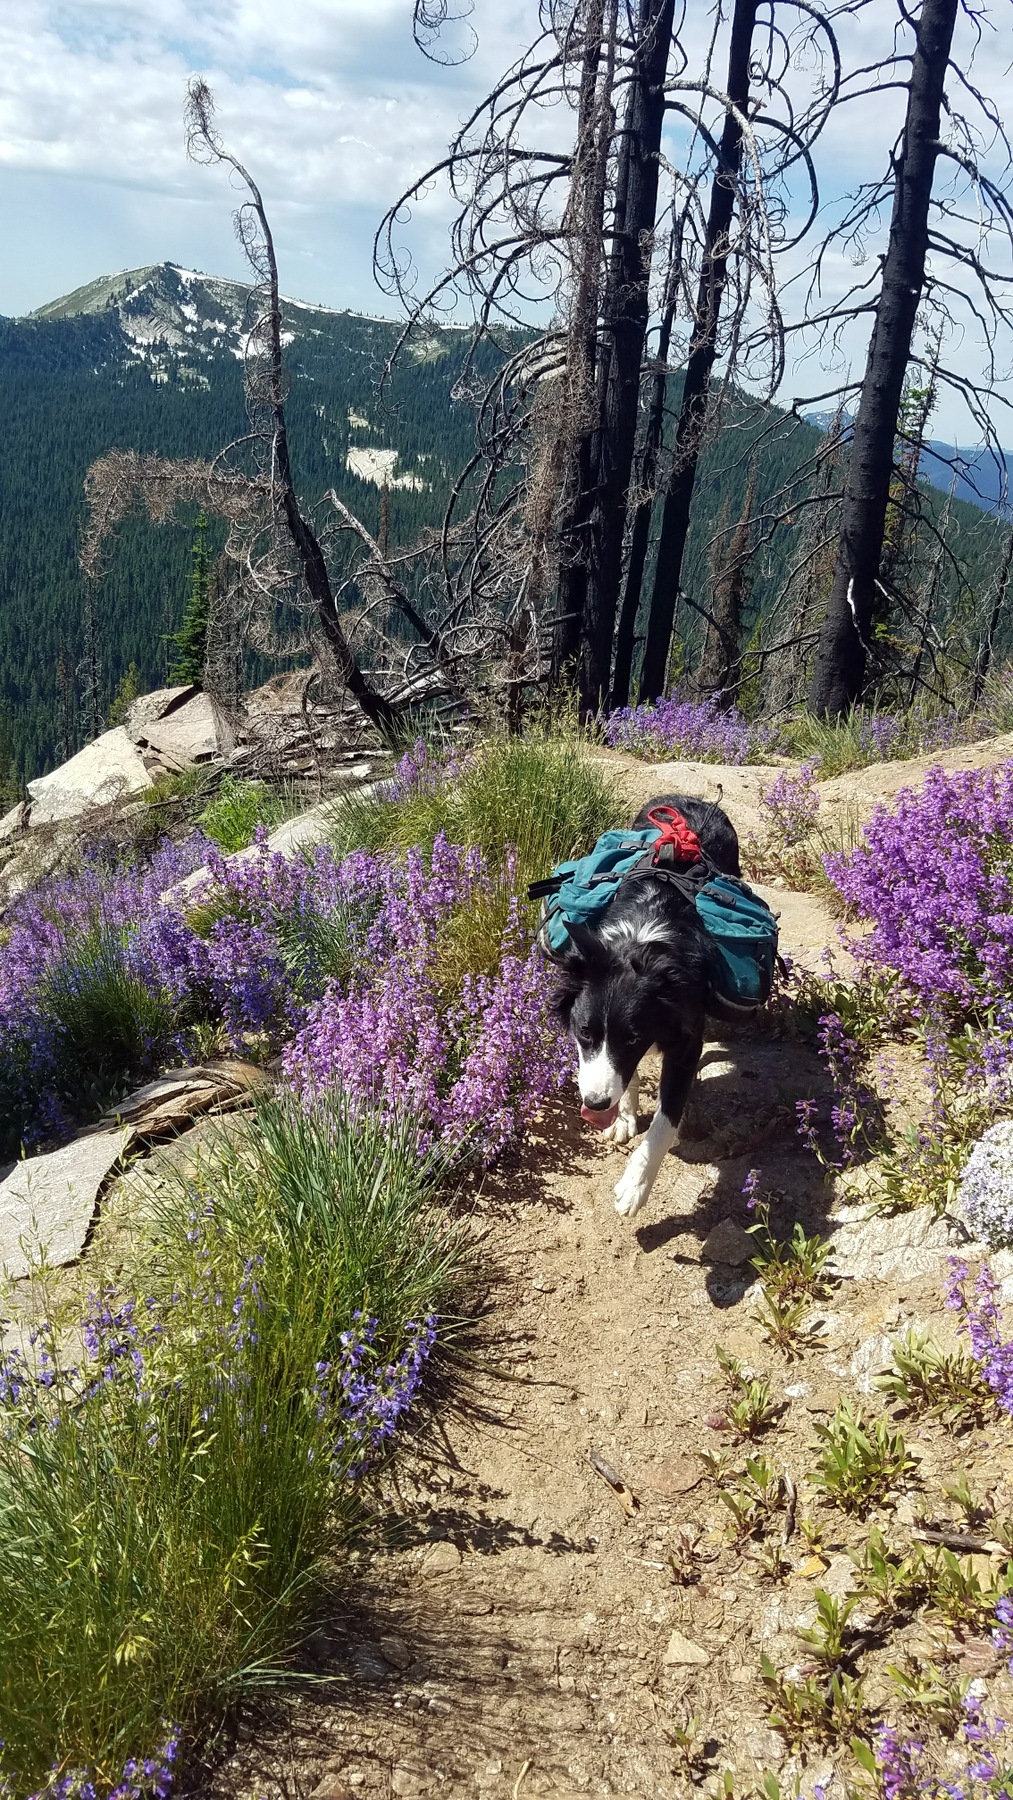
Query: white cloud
point(332, 105)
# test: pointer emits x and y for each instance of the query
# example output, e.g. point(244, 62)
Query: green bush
point(527, 803)
point(238, 807)
point(541, 797)
point(169, 1514)
point(108, 1023)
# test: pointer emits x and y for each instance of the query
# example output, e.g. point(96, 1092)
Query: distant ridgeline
point(151, 360)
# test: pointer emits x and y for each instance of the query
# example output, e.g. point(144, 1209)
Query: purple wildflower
point(793, 802)
point(980, 1321)
point(935, 877)
point(688, 728)
point(366, 1398)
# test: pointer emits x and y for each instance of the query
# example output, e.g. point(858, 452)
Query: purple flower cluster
point(368, 1399)
point(345, 955)
point(470, 1067)
point(678, 727)
point(116, 1334)
point(979, 1319)
point(884, 737)
point(935, 877)
point(424, 770)
point(143, 1778)
point(854, 1115)
point(792, 800)
point(902, 1763)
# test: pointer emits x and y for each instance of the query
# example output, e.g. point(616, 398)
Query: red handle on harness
point(675, 831)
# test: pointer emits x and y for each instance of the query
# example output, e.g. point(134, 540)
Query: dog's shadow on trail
point(741, 1116)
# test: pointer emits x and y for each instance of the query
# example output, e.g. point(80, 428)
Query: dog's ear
point(590, 951)
point(582, 954)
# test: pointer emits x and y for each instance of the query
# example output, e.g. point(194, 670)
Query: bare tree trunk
point(622, 671)
point(702, 355)
point(843, 649)
point(585, 226)
point(307, 548)
point(624, 333)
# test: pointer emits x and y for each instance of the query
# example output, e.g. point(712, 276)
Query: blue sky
point(334, 108)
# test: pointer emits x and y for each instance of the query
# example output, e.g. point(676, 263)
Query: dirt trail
point(524, 1620)
point(523, 1633)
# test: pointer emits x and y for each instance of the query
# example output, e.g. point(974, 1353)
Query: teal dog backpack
point(741, 925)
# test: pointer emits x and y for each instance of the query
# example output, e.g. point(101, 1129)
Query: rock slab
point(191, 734)
point(47, 1203)
point(682, 1653)
point(157, 705)
point(105, 772)
point(906, 1247)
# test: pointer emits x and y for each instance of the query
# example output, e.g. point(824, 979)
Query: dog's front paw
point(623, 1131)
point(634, 1185)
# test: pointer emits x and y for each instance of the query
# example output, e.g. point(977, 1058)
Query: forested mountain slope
point(151, 360)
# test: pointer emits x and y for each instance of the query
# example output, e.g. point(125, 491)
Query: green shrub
point(542, 797)
point(238, 807)
point(527, 803)
point(164, 1538)
point(109, 1024)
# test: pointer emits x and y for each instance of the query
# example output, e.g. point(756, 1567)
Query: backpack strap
point(549, 884)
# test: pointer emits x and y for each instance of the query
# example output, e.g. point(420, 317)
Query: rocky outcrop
point(148, 708)
point(106, 772)
point(47, 1204)
point(187, 735)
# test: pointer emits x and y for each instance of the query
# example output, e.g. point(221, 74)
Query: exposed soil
point(514, 1634)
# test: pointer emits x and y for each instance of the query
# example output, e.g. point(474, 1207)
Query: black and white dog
point(638, 981)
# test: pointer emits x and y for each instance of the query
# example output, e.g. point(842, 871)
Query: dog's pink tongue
point(601, 1119)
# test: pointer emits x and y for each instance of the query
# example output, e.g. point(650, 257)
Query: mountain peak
point(164, 308)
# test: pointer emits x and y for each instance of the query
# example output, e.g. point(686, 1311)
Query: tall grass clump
point(863, 736)
point(232, 817)
point(179, 1469)
point(535, 800)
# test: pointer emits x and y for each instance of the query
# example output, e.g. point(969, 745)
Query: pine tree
point(191, 641)
point(127, 691)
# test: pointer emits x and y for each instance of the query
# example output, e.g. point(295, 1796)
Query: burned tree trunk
point(702, 355)
point(585, 223)
point(843, 649)
point(640, 535)
point(624, 328)
point(255, 235)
